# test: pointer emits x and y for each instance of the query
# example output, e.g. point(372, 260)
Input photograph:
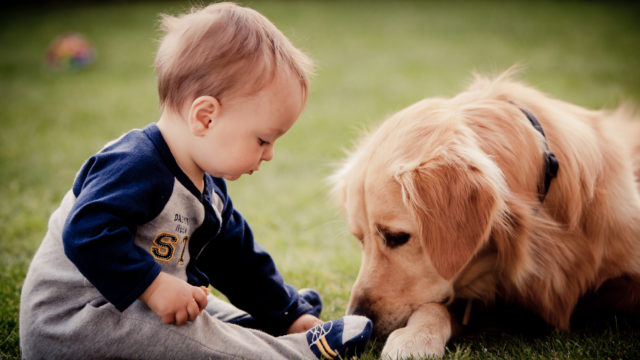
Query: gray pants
point(62, 316)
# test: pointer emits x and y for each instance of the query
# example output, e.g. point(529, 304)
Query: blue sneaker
point(345, 337)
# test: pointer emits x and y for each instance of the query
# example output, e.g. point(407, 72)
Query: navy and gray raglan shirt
point(136, 213)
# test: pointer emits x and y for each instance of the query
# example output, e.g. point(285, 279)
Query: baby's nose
point(267, 155)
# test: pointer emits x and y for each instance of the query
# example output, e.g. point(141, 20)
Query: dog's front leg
point(426, 334)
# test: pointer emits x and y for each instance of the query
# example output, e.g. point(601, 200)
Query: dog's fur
point(460, 177)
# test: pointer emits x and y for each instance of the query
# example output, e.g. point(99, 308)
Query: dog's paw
point(406, 342)
point(426, 334)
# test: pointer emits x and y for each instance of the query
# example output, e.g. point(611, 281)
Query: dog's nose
point(364, 310)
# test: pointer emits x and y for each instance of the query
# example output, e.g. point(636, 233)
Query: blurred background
point(60, 102)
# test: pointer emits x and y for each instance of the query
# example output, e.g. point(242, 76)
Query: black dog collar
point(551, 164)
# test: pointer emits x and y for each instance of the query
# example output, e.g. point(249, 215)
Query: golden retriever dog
point(499, 193)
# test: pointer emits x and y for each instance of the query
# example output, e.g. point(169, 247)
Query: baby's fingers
point(193, 310)
point(169, 318)
point(182, 316)
point(200, 297)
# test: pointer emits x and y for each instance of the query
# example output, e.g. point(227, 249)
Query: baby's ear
point(203, 114)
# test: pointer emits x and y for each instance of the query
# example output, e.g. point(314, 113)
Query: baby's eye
point(262, 142)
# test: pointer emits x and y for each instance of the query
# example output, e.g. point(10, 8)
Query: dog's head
point(421, 196)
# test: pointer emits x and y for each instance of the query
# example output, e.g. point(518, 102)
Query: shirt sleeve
point(245, 273)
point(114, 193)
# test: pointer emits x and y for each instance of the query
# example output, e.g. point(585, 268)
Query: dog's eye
point(393, 240)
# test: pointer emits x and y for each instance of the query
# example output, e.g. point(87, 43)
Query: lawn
point(373, 58)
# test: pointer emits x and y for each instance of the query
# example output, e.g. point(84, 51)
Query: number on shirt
point(184, 246)
point(164, 247)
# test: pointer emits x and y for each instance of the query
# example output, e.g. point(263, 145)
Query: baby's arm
point(174, 300)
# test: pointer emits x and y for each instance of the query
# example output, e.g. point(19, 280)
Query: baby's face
point(248, 127)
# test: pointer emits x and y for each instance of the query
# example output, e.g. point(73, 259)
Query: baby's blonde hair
point(220, 50)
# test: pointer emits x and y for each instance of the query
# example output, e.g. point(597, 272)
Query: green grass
point(372, 60)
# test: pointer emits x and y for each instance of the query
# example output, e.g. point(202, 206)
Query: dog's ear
point(454, 205)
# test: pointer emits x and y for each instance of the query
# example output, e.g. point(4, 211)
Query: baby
point(147, 226)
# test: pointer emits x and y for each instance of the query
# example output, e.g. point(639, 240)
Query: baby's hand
point(174, 300)
point(303, 323)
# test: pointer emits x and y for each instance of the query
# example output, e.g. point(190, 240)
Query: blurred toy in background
point(70, 51)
